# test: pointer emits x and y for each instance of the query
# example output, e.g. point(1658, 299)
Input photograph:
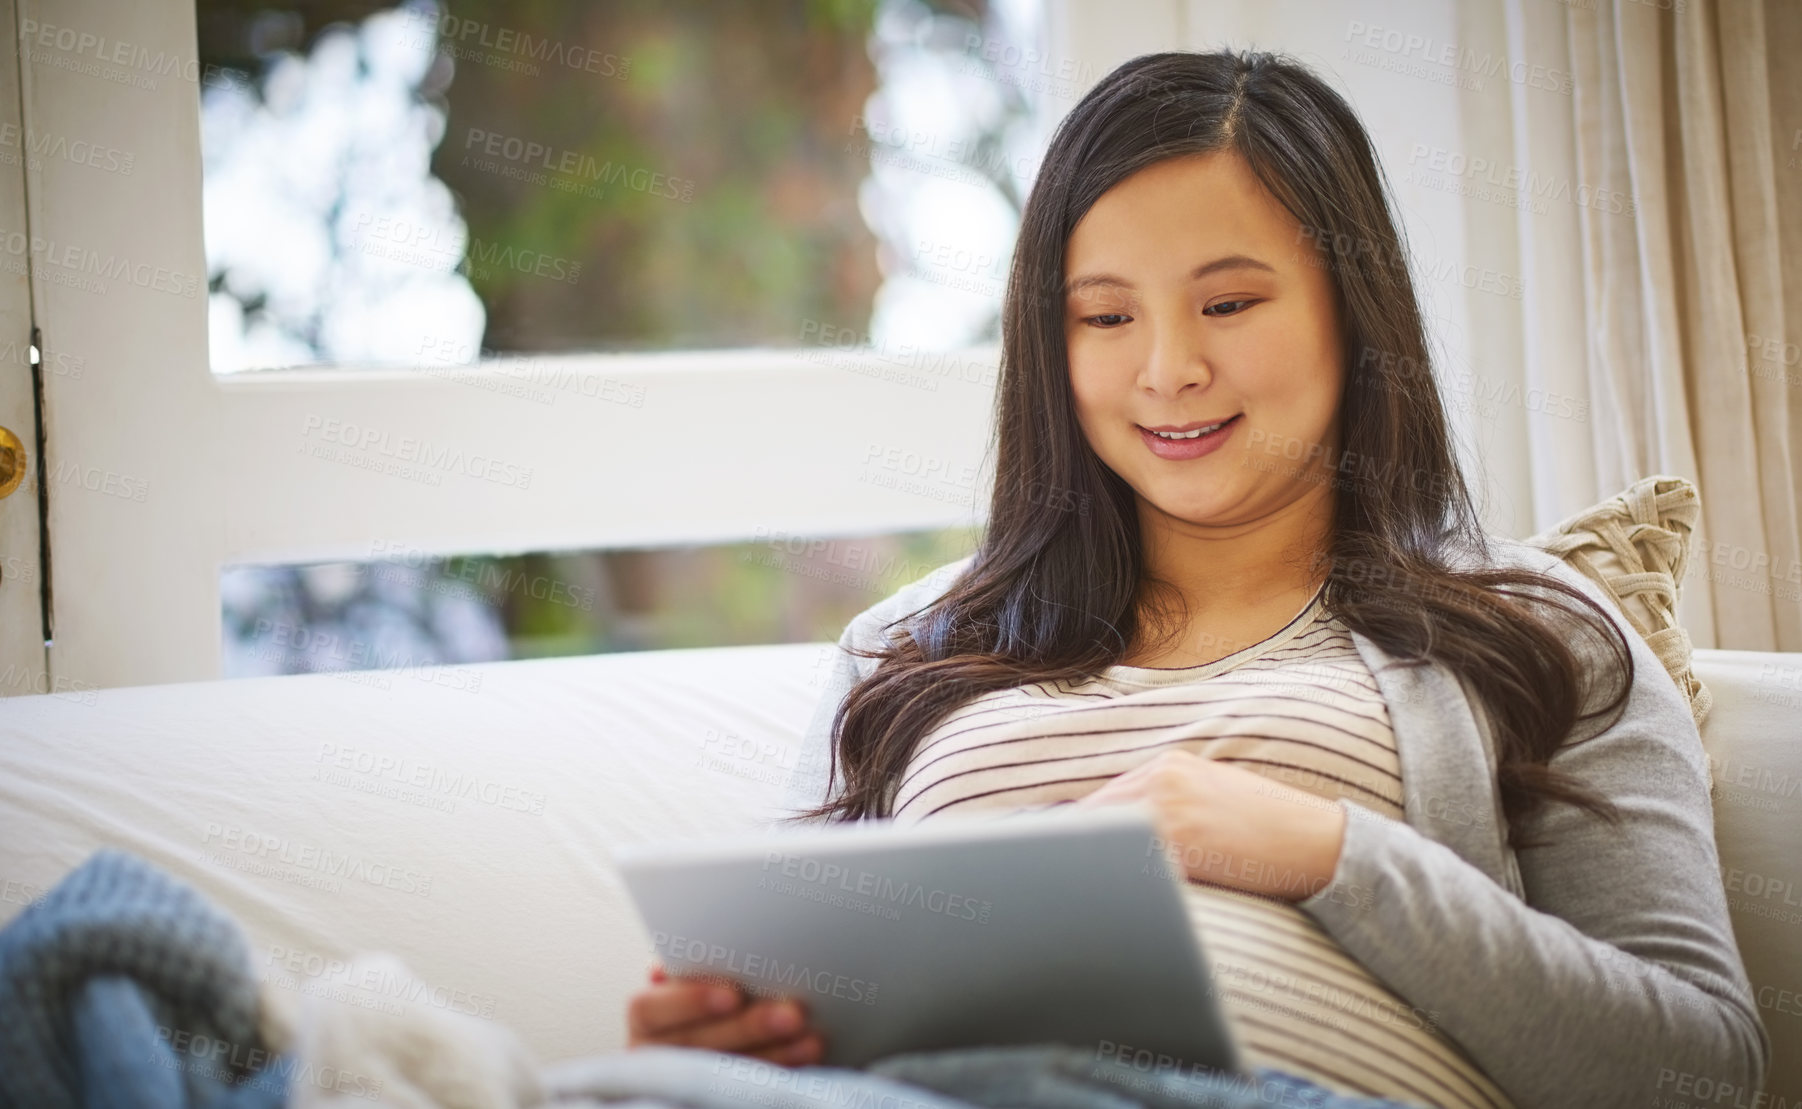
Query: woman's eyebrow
point(1230, 262)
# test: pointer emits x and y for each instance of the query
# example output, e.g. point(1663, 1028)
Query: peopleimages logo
point(432, 777)
point(764, 968)
point(525, 154)
point(224, 1062)
point(79, 267)
point(1453, 55)
point(523, 45)
point(880, 887)
point(380, 978)
point(406, 448)
point(240, 844)
point(81, 152)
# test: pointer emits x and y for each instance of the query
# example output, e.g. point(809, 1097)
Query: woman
point(1446, 820)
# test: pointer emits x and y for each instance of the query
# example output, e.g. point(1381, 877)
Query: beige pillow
point(1636, 547)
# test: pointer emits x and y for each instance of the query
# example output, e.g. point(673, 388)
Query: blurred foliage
point(740, 110)
point(731, 594)
point(749, 107)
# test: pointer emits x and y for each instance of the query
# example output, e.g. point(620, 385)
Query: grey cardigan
point(1599, 969)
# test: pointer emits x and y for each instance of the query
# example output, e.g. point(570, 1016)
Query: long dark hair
point(1054, 594)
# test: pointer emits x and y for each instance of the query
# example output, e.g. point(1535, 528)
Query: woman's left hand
point(1231, 827)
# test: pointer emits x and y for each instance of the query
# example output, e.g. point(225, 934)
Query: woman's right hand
point(678, 1013)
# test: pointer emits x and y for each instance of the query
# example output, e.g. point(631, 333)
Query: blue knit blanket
point(124, 987)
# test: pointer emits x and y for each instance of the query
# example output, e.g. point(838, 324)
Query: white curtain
point(1684, 126)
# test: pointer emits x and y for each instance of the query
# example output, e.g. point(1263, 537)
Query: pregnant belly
point(1299, 1003)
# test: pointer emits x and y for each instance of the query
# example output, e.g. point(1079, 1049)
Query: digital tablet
point(1060, 925)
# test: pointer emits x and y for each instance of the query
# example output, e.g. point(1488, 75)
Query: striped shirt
point(1302, 708)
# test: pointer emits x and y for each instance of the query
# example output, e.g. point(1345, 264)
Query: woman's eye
point(1107, 320)
point(1234, 304)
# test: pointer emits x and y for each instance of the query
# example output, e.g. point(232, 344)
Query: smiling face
point(1193, 298)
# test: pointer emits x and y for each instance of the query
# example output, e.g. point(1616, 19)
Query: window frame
point(196, 471)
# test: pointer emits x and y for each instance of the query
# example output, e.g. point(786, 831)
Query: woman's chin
point(1213, 512)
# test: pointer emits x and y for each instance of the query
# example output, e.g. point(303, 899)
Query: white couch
point(460, 818)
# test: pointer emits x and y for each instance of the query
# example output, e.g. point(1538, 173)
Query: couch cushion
point(1753, 738)
point(459, 818)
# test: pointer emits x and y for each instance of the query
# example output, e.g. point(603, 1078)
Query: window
point(476, 192)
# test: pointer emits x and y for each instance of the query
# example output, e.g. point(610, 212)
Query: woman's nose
point(1177, 360)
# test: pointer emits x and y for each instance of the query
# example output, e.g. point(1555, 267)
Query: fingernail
point(784, 1018)
point(721, 1000)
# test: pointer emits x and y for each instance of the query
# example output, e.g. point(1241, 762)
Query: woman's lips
point(1179, 450)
